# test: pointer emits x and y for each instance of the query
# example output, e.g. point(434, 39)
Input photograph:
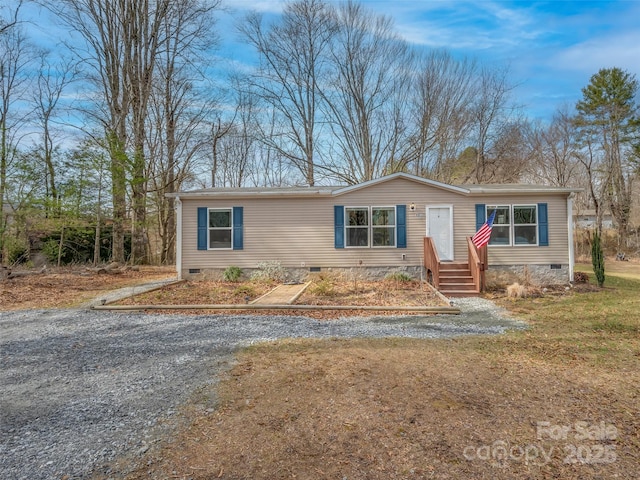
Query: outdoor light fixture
point(412, 207)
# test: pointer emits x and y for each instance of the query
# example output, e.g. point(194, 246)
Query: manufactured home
point(400, 222)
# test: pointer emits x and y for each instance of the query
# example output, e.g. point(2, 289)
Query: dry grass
point(322, 291)
point(390, 408)
point(387, 409)
point(202, 292)
point(70, 286)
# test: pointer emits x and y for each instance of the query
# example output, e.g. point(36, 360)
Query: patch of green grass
point(323, 287)
point(399, 277)
point(616, 327)
point(628, 270)
point(599, 328)
point(245, 290)
point(232, 274)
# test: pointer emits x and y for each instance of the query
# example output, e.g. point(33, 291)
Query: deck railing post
point(432, 261)
point(477, 264)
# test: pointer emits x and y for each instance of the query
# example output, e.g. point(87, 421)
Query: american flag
point(481, 238)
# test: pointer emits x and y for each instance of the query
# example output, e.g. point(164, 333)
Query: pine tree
point(597, 259)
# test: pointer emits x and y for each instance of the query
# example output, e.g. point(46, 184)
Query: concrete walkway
point(282, 295)
point(126, 292)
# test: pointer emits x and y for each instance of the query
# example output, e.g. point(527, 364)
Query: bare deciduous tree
point(6, 24)
point(366, 94)
point(439, 117)
point(490, 113)
point(143, 22)
point(236, 149)
point(555, 160)
point(179, 113)
point(289, 76)
point(16, 54)
point(53, 79)
point(100, 25)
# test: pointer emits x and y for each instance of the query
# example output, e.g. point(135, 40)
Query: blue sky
point(552, 48)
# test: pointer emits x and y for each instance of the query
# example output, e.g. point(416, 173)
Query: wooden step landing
point(456, 280)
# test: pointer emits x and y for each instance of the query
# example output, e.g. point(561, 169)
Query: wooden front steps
point(456, 280)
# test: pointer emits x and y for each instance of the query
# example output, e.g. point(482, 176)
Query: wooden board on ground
point(282, 295)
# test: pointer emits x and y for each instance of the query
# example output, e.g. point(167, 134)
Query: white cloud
point(470, 26)
point(264, 6)
point(621, 50)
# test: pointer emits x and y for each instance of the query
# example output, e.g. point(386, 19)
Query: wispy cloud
point(264, 6)
point(471, 26)
point(552, 48)
point(619, 50)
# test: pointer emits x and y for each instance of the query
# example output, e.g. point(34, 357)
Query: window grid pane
point(503, 216)
point(219, 219)
point(525, 234)
point(220, 238)
point(500, 235)
point(384, 236)
point(358, 217)
point(524, 215)
point(358, 236)
point(383, 217)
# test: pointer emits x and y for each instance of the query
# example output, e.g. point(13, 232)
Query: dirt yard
point(322, 292)
point(71, 286)
point(391, 409)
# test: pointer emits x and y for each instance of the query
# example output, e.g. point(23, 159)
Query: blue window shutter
point(338, 225)
point(481, 215)
point(238, 228)
point(202, 228)
point(401, 220)
point(543, 225)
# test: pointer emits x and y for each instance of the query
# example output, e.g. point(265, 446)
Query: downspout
point(570, 231)
point(178, 207)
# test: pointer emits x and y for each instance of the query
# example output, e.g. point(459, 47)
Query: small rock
point(142, 450)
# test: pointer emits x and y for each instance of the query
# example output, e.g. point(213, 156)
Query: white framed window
point(357, 226)
point(383, 226)
point(525, 225)
point(514, 225)
point(220, 228)
point(370, 227)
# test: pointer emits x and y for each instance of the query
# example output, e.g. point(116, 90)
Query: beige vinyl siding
point(299, 231)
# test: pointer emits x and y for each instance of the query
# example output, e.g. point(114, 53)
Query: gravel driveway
point(80, 388)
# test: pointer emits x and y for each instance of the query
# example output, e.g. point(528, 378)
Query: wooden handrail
point(477, 264)
point(431, 262)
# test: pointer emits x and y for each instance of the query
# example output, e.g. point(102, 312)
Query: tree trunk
point(60, 246)
point(119, 189)
point(3, 180)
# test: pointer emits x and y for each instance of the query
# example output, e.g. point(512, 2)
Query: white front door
point(440, 228)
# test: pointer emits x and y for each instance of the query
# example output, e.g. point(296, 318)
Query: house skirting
point(496, 275)
point(297, 274)
point(547, 274)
